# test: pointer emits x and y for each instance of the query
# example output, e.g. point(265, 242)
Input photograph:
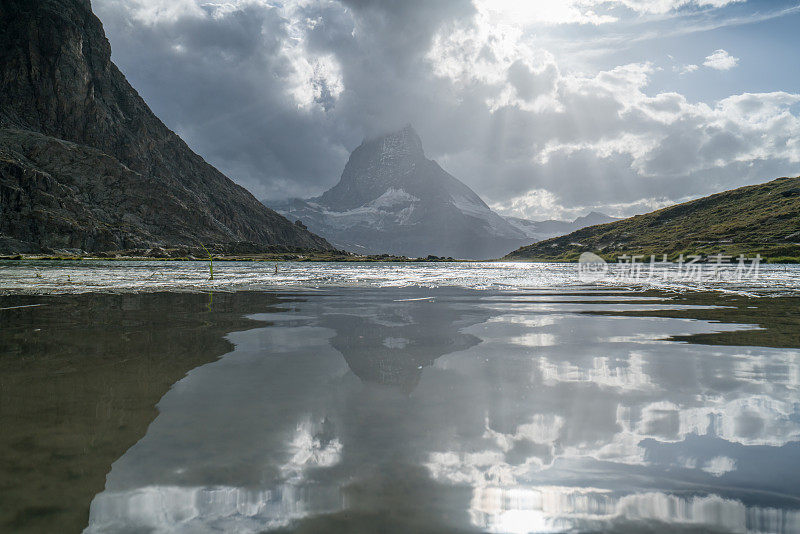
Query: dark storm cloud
point(277, 96)
point(220, 80)
point(220, 83)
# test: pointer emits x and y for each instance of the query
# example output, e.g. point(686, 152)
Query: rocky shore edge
point(221, 252)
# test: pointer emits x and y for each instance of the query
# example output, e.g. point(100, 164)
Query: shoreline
point(326, 258)
point(260, 258)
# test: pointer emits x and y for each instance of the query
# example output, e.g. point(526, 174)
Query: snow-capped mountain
point(392, 199)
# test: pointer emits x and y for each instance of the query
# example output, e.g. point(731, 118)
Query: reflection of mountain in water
point(393, 346)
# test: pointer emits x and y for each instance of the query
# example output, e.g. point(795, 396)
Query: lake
point(462, 397)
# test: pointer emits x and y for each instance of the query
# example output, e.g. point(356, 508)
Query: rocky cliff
point(85, 164)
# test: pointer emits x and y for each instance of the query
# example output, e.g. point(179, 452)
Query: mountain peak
point(404, 141)
point(593, 218)
point(377, 165)
point(391, 198)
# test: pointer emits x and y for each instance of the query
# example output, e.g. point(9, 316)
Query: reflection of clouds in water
point(659, 391)
point(543, 428)
point(557, 509)
point(195, 509)
point(532, 445)
point(779, 368)
point(623, 373)
point(534, 339)
point(719, 465)
point(530, 321)
point(529, 448)
point(311, 447)
point(469, 467)
point(750, 420)
point(226, 508)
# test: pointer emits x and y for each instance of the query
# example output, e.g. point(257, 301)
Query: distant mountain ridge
point(757, 219)
point(85, 164)
point(392, 199)
point(539, 230)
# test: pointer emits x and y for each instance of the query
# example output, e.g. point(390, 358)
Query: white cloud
point(594, 12)
point(534, 204)
point(656, 136)
point(542, 12)
point(686, 69)
point(660, 7)
point(155, 11)
point(526, 206)
point(721, 60)
point(314, 79)
point(608, 121)
point(499, 56)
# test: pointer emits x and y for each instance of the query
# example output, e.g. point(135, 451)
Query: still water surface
point(401, 409)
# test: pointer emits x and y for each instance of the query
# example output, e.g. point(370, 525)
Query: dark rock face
point(85, 164)
point(392, 199)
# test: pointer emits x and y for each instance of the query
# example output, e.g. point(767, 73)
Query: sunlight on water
point(48, 277)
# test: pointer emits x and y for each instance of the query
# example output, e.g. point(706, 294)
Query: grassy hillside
point(762, 219)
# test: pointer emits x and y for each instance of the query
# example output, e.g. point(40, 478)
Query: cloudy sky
point(545, 108)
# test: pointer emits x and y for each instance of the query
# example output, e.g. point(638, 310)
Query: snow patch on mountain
point(494, 223)
point(392, 197)
point(394, 207)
